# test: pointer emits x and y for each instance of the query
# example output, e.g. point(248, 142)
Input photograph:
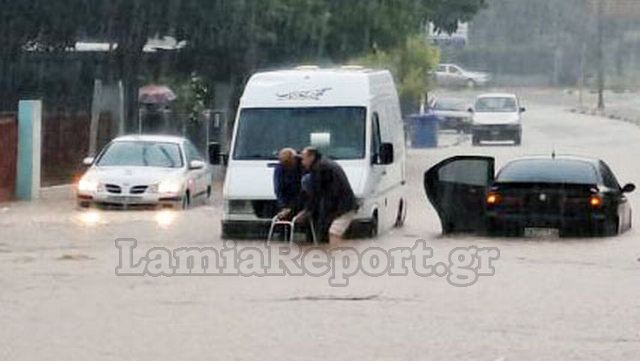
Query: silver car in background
point(135, 171)
point(451, 75)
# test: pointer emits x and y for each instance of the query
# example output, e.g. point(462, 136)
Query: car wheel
point(209, 192)
point(517, 140)
point(475, 139)
point(494, 229)
point(186, 201)
point(608, 228)
point(471, 84)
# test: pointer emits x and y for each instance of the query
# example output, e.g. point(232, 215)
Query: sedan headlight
point(88, 185)
point(170, 186)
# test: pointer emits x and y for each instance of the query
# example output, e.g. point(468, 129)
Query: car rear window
point(450, 104)
point(549, 171)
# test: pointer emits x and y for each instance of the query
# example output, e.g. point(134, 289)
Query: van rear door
point(457, 189)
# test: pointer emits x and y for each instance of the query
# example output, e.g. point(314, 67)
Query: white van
point(351, 114)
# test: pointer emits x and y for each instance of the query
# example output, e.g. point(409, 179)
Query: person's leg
point(339, 228)
point(335, 240)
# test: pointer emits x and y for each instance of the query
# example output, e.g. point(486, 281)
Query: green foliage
point(227, 39)
point(411, 64)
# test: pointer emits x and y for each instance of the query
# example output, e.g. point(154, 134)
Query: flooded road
point(550, 299)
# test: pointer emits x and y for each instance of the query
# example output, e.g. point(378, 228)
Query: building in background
point(458, 39)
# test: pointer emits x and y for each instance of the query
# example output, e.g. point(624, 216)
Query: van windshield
point(338, 131)
point(496, 105)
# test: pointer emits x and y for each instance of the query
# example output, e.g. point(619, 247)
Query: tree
point(410, 64)
point(228, 39)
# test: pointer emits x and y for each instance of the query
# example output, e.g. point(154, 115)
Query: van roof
point(315, 86)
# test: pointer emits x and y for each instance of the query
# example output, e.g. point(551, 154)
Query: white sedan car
point(145, 171)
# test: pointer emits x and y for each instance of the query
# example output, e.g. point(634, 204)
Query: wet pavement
point(550, 299)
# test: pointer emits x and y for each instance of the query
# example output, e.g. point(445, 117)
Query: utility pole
point(600, 54)
point(581, 79)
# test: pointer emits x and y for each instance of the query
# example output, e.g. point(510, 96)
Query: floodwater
point(550, 299)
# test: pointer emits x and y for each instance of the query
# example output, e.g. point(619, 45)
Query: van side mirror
point(523, 109)
point(629, 188)
point(470, 110)
point(216, 157)
point(385, 155)
point(88, 161)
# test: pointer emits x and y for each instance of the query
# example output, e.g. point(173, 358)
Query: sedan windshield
point(558, 171)
point(496, 105)
point(142, 154)
point(339, 132)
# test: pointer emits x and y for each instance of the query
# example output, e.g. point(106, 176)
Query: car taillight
point(493, 198)
point(595, 201)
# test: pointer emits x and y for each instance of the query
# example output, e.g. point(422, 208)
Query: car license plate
point(124, 199)
point(541, 232)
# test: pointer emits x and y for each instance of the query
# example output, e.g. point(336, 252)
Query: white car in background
point(451, 75)
point(145, 171)
point(497, 117)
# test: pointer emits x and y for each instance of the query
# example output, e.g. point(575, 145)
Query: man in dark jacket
point(333, 204)
point(287, 183)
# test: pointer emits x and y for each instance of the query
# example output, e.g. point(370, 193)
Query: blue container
point(423, 130)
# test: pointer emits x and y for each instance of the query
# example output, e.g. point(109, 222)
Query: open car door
point(457, 188)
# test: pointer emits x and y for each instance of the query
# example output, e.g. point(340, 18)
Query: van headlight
point(238, 207)
point(88, 185)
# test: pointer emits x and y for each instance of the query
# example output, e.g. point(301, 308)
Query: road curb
point(606, 114)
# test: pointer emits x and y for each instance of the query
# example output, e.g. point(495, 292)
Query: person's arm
point(278, 186)
point(316, 188)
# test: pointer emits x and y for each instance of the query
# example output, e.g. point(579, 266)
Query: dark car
point(570, 195)
point(452, 113)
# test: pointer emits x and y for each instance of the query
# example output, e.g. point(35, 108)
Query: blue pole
point(29, 149)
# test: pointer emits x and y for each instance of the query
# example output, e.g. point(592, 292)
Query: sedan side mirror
point(196, 164)
point(470, 110)
point(523, 109)
point(88, 161)
point(385, 155)
point(629, 188)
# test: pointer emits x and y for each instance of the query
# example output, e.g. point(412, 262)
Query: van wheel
point(517, 140)
point(373, 228)
point(209, 192)
point(402, 214)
